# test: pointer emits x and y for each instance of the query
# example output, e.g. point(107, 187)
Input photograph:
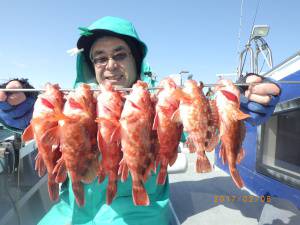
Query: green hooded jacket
point(122, 210)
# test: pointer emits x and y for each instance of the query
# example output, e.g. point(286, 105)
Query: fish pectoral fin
point(176, 116)
point(240, 156)
point(155, 122)
point(130, 119)
point(116, 135)
point(107, 120)
point(51, 137)
point(123, 170)
point(241, 115)
point(28, 133)
point(40, 165)
point(60, 171)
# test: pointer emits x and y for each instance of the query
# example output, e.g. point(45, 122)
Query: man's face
point(114, 62)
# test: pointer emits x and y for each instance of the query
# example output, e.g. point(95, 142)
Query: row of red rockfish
point(113, 134)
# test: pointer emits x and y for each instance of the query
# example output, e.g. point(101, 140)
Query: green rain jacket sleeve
point(122, 210)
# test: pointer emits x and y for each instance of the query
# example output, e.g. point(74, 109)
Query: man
point(113, 51)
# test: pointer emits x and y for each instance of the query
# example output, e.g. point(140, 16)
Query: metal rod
point(65, 89)
point(129, 89)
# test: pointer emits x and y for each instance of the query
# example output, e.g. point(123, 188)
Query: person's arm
point(259, 100)
point(16, 108)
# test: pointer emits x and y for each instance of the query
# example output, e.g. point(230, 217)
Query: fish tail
point(161, 178)
point(236, 177)
point(222, 154)
point(101, 174)
point(40, 165)
point(123, 170)
point(139, 194)
point(78, 192)
point(53, 188)
point(202, 165)
point(111, 192)
point(240, 156)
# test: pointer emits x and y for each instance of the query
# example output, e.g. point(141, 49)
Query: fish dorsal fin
point(176, 116)
point(180, 95)
point(51, 137)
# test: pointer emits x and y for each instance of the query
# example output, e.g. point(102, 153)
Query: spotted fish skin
point(168, 131)
point(136, 139)
point(232, 128)
point(109, 109)
point(193, 113)
point(76, 133)
point(47, 106)
point(213, 131)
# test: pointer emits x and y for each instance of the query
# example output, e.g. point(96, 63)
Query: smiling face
point(113, 62)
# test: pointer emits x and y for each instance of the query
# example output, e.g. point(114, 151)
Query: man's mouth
point(114, 78)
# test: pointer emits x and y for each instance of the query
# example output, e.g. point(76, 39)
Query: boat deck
point(197, 199)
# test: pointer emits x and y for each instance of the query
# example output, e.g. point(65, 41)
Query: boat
point(270, 170)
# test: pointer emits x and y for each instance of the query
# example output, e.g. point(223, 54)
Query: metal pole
point(151, 88)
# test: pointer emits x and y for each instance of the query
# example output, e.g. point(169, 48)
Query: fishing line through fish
point(129, 89)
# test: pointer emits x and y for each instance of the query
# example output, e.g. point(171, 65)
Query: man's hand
point(13, 98)
point(262, 92)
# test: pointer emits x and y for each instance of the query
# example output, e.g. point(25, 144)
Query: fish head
point(227, 89)
point(191, 87)
point(139, 97)
point(109, 101)
point(51, 101)
point(168, 83)
point(167, 94)
point(80, 101)
point(106, 86)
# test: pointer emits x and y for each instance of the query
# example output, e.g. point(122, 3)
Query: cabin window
point(278, 153)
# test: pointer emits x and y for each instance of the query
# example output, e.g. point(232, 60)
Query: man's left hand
point(260, 92)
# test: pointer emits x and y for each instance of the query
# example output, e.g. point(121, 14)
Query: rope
point(256, 10)
point(240, 28)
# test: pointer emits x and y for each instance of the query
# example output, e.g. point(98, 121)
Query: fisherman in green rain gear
point(110, 49)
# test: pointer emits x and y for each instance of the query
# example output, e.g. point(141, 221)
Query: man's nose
point(111, 64)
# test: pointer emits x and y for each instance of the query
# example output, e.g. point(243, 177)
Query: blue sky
point(198, 36)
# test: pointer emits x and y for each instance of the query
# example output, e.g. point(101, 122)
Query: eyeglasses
point(103, 60)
